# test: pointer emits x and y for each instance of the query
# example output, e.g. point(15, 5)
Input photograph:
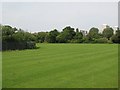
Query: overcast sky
point(45, 16)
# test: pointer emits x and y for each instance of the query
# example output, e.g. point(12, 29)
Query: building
point(84, 32)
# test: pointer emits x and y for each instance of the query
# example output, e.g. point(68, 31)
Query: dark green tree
point(41, 36)
point(93, 33)
point(51, 37)
point(7, 33)
point(13, 39)
point(67, 34)
point(108, 32)
point(61, 38)
point(78, 37)
point(23, 36)
point(116, 37)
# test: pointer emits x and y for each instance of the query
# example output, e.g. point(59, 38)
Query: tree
point(116, 38)
point(78, 36)
point(13, 39)
point(93, 33)
point(51, 36)
point(7, 30)
point(108, 32)
point(0, 33)
point(102, 40)
point(67, 34)
point(0, 37)
point(21, 36)
point(61, 38)
point(87, 39)
point(7, 33)
point(41, 36)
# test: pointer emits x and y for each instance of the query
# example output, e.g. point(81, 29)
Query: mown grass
point(62, 66)
point(0, 70)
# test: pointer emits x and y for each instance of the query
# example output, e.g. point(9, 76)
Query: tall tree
point(41, 36)
point(7, 33)
point(93, 33)
point(51, 37)
point(108, 32)
point(68, 33)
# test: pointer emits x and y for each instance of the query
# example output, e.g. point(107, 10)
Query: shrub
point(75, 41)
point(102, 40)
point(18, 45)
point(30, 45)
point(115, 39)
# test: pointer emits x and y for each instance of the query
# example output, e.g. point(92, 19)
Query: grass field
point(0, 70)
point(62, 66)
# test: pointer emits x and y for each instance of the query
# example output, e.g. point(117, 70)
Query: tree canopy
point(108, 32)
point(23, 40)
point(13, 38)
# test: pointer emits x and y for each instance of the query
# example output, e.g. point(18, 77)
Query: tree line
point(71, 35)
point(13, 38)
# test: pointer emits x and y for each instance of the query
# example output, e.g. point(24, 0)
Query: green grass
point(0, 70)
point(62, 66)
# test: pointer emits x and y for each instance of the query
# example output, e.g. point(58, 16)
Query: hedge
point(18, 45)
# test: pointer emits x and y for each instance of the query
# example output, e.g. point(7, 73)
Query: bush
point(115, 39)
point(102, 40)
point(30, 45)
point(18, 45)
point(75, 41)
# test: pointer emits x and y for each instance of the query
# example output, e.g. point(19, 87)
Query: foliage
point(51, 37)
point(61, 38)
point(14, 38)
point(67, 35)
point(116, 38)
point(101, 40)
point(41, 36)
point(93, 33)
point(108, 32)
point(78, 36)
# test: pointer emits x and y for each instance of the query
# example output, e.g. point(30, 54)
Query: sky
point(46, 16)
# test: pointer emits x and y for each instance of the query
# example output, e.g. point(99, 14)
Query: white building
point(84, 32)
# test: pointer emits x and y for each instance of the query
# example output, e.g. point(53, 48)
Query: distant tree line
point(71, 35)
point(13, 38)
